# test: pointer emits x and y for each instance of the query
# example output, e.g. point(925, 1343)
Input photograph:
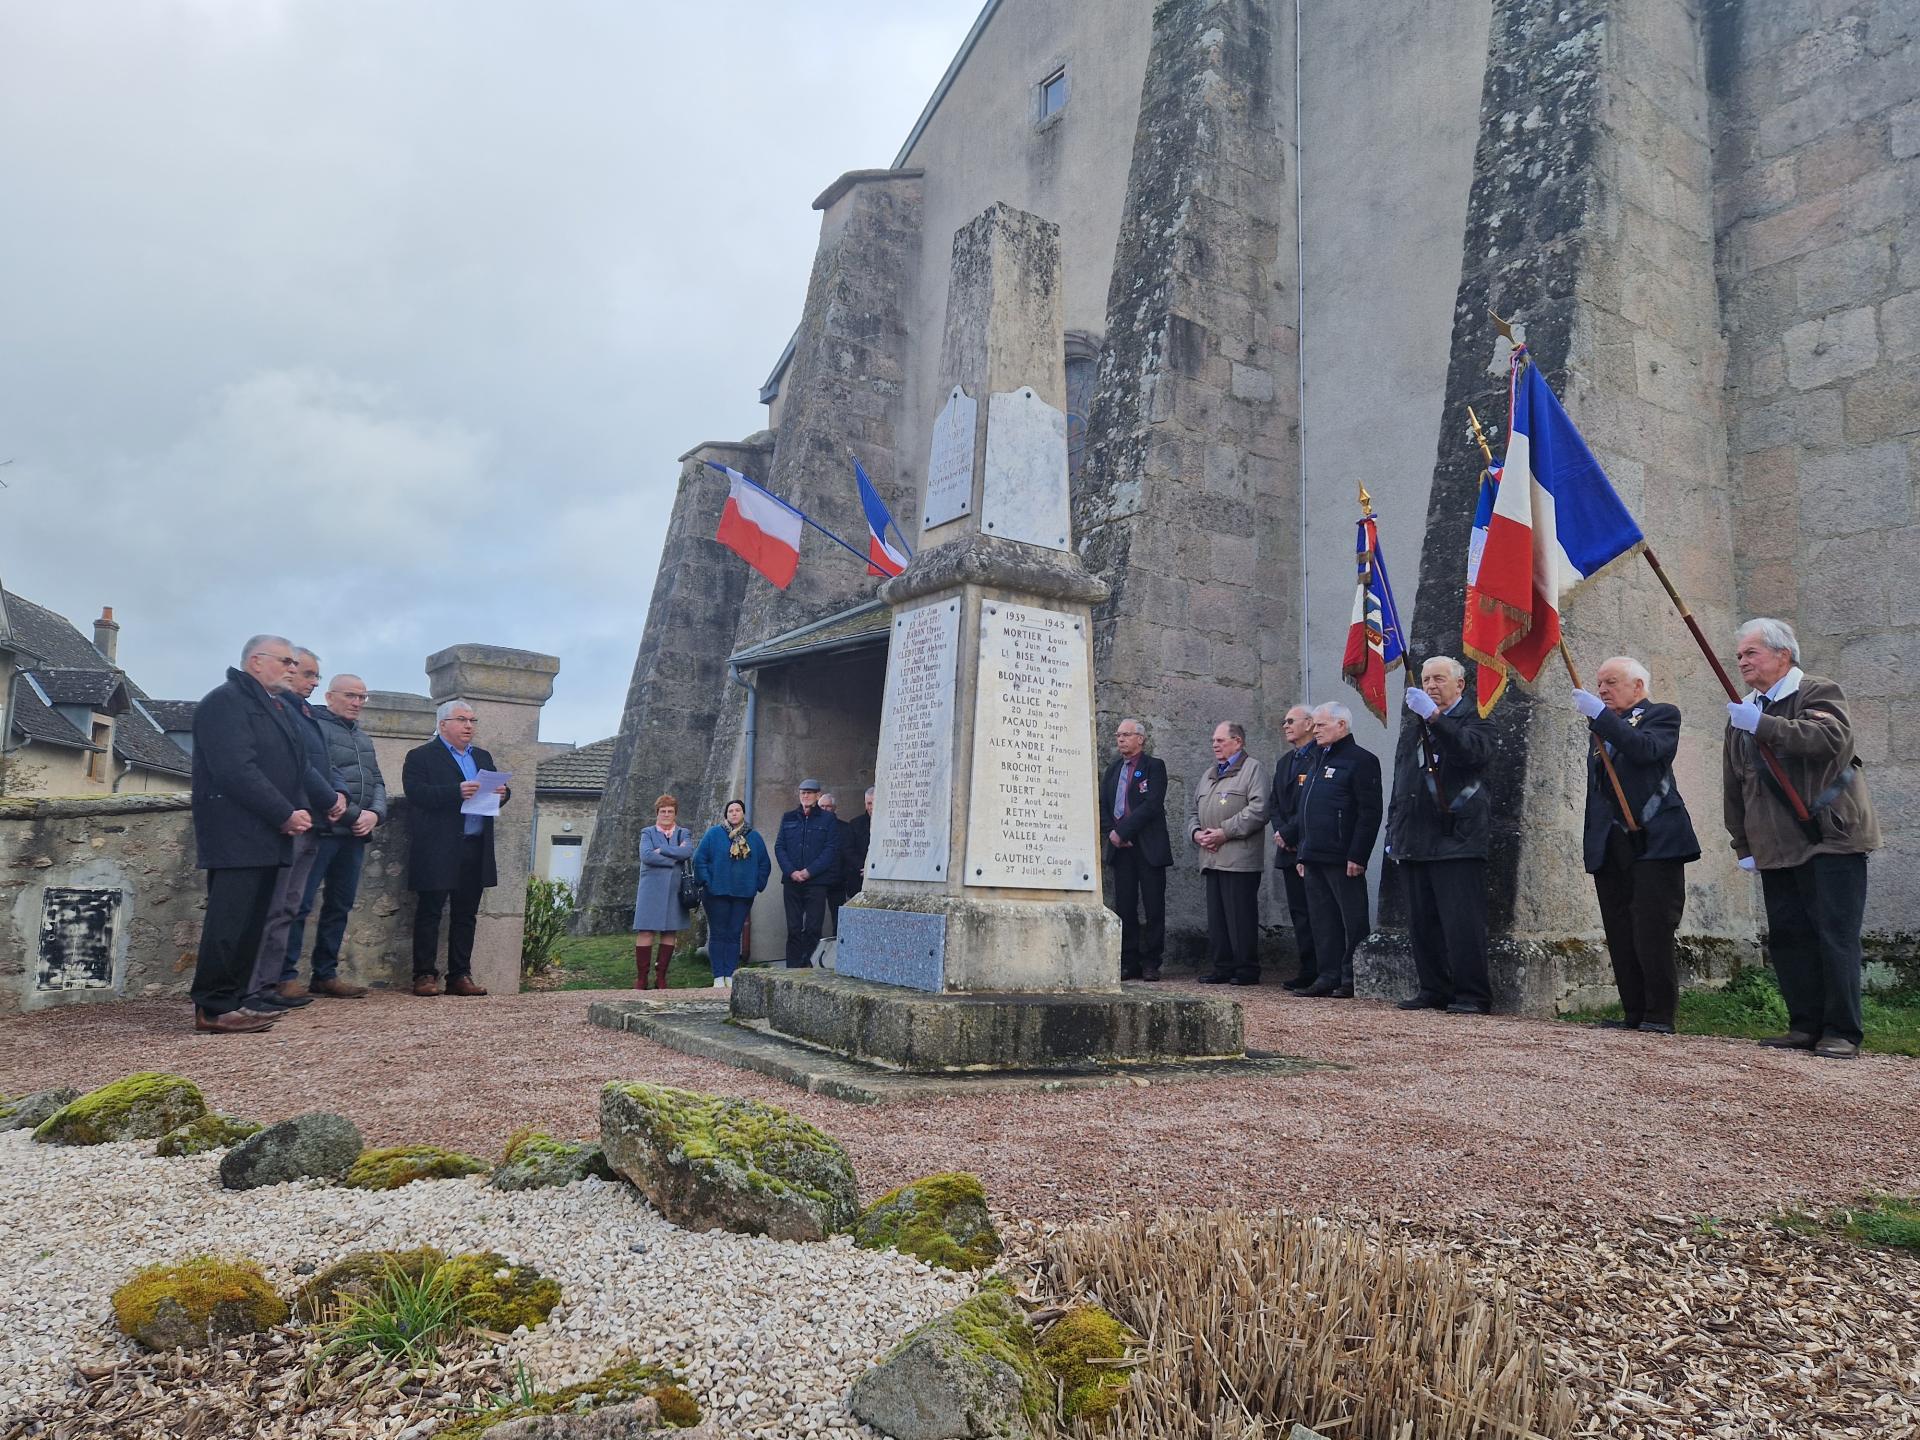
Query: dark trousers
point(836, 897)
point(1447, 921)
point(1233, 924)
point(1814, 913)
point(1302, 919)
point(463, 905)
point(1139, 887)
point(1337, 910)
point(806, 913)
point(1641, 902)
point(726, 918)
point(238, 900)
point(336, 865)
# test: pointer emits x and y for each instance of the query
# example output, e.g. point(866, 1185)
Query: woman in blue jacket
point(732, 862)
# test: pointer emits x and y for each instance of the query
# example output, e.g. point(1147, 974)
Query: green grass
point(408, 1318)
point(605, 962)
point(1876, 1221)
point(1749, 1006)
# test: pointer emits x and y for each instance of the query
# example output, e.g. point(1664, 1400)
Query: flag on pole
point(882, 558)
point(1376, 646)
point(1554, 523)
point(1490, 678)
point(761, 528)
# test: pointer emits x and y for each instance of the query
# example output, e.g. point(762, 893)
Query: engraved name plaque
point(913, 785)
point(1023, 490)
point(950, 461)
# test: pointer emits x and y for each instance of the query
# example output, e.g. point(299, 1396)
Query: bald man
point(1290, 774)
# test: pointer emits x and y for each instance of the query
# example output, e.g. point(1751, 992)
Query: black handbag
point(692, 893)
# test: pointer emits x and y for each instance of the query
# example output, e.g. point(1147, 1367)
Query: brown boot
point(660, 964)
point(640, 959)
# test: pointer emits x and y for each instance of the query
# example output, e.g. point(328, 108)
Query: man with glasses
point(451, 857)
point(341, 847)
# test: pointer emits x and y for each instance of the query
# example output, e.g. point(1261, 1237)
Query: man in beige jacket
point(1229, 826)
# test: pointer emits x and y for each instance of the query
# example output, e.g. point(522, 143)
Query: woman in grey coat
point(665, 848)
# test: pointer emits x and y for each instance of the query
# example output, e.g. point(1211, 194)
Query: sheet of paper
point(486, 800)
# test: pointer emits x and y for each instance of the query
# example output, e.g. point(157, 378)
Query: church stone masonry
point(1703, 213)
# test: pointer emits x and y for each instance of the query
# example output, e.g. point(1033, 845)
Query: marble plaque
point(913, 783)
point(1032, 817)
point(950, 461)
point(893, 947)
point(1024, 494)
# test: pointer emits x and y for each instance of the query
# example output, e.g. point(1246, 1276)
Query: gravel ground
point(768, 1335)
point(1438, 1117)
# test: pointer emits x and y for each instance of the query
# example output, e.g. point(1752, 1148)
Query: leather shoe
point(1213, 979)
point(1654, 1027)
point(1833, 1047)
point(1467, 1007)
point(426, 984)
point(1619, 1024)
point(271, 1002)
point(279, 995)
point(1341, 992)
point(289, 989)
point(233, 1022)
point(463, 985)
point(1792, 1040)
point(1422, 1002)
point(1239, 980)
point(1299, 984)
point(338, 989)
point(1321, 988)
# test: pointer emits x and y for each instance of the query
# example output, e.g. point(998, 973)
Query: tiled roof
point(98, 689)
point(137, 739)
point(42, 724)
point(585, 768)
point(172, 715)
point(865, 624)
point(52, 638)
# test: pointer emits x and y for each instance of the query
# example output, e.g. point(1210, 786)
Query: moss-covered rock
point(140, 1107)
point(498, 1295)
point(708, 1162)
point(198, 1302)
point(29, 1112)
point(358, 1276)
point(1080, 1352)
point(973, 1371)
point(620, 1385)
point(536, 1160)
point(397, 1165)
point(316, 1146)
point(941, 1219)
point(209, 1132)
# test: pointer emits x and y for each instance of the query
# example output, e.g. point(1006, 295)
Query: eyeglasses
point(286, 660)
point(357, 696)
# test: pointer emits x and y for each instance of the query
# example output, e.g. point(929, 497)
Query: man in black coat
point(807, 850)
point(249, 800)
point(1133, 819)
point(1639, 873)
point(1283, 807)
point(1437, 832)
point(856, 841)
point(1338, 821)
point(450, 859)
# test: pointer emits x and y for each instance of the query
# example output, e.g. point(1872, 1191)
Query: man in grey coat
point(1229, 827)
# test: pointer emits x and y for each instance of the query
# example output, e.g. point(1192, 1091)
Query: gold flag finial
point(1366, 501)
point(1503, 326)
point(1479, 435)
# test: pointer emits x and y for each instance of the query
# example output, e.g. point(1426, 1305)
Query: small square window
point(1053, 93)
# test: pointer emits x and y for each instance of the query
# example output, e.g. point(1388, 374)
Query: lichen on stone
point(620, 1384)
point(196, 1302)
point(1087, 1334)
point(139, 1107)
point(359, 1276)
point(209, 1132)
point(941, 1219)
point(535, 1160)
point(28, 1112)
point(972, 1371)
point(499, 1295)
point(397, 1165)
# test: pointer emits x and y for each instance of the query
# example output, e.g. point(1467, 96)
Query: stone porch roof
point(863, 625)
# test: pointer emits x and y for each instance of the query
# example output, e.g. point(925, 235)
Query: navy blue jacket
point(1145, 823)
point(713, 862)
point(325, 784)
point(1338, 816)
point(1644, 743)
point(1440, 760)
point(249, 776)
point(1283, 803)
point(808, 841)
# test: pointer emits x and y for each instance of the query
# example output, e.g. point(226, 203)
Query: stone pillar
point(395, 721)
point(506, 689)
point(984, 872)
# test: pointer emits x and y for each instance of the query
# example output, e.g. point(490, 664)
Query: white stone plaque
point(913, 784)
point(1024, 493)
point(950, 461)
point(1032, 818)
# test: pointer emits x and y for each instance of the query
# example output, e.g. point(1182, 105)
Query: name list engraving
point(1032, 819)
point(913, 785)
point(950, 461)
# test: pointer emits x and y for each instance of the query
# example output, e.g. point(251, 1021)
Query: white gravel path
point(768, 1335)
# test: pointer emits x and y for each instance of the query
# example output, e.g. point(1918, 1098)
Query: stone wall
point(1816, 129)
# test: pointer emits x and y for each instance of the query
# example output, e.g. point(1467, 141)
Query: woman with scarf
point(732, 862)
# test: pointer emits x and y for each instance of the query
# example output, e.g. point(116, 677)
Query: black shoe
point(1152, 977)
point(1654, 1027)
point(269, 1002)
point(1422, 1002)
point(1467, 1007)
point(1792, 1040)
point(1341, 992)
point(1321, 988)
point(1300, 983)
point(1237, 980)
point(1213, 979)
point(1619, 1025)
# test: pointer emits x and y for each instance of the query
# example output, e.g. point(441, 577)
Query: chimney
point(106, 634)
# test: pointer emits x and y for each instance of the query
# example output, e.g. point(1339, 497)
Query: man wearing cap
point(807, 851)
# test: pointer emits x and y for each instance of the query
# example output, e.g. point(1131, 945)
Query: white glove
point(1588, 704)
point(1419, 703)
point(1743, 715)
point(1746, 863)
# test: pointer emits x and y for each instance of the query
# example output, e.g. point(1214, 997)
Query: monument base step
point(705, 1029)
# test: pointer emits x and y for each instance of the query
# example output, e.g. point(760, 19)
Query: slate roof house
point(567, 791)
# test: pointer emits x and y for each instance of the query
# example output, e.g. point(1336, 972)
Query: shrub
point(550, 906)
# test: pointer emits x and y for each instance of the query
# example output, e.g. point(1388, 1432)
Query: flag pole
point(1566, 658)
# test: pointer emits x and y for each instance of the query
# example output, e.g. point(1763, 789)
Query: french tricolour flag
point(1555, 523)
point(762, 529)
point(882, 557)
point(1375, 644)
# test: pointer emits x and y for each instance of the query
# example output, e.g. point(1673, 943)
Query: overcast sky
point(382, 324)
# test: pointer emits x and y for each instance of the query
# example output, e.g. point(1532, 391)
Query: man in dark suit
point(856, 840)
point(1133, 818)
point(450, 860)
point(1638, 857)
point(1339, 819)
point(249, 800)
point(807, 850)
point(1289, 775)
point(1437, 831)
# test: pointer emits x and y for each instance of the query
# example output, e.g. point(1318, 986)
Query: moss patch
point(498, 1295)
point(358, 1276)
point(535, 1160)
point(140, 1107)
point(209, 1132)
point(941, 1219)
point(991, 1322)
point(398, 1165)
point(168, 1307)
point(1071, 1350)
point(619, 1385)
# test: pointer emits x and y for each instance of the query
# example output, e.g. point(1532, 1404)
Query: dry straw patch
point(1254, 1322)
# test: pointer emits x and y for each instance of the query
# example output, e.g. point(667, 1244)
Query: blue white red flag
point(1490, 681)
point(1376, 645)
point(1555, 522)
point(883, 558)
point(760, 527)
